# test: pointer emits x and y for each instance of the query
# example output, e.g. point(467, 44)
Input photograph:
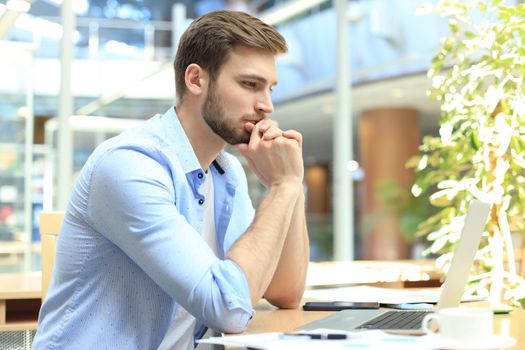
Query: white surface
point(374, 340)
point(381, 295)
point(462, 324)
point(494, 342)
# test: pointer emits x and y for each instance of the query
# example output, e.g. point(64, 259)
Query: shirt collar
point(184, 150)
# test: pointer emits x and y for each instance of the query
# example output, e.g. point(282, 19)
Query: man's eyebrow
point(257, 77)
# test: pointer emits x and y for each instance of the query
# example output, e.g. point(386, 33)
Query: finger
point(275, 123)
point(253, 167)
point(293, 134)
point(266, 124)
point(272, 133)
point(244, 151)
point(270, 129)
point(264, 127)
point(255, 135)
point(248, 126)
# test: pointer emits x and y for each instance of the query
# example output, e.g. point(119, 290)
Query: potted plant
point(401, 206)
point(477, 76)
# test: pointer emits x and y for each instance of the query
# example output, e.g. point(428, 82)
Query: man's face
point(215, 116)
point(240, 95)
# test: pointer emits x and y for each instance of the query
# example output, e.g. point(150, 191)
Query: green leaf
point(413, 161)
point(470, 35)
point(453, 25)
point(441, 198)
point(482, 6)
point(474, 141)
point(520, 10)
point(506, 12)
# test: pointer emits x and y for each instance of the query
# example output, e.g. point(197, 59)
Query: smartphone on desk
point(338, 305)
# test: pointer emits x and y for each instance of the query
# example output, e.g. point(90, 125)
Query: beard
point(214, 115)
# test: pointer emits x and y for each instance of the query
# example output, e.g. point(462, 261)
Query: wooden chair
point(50, 223)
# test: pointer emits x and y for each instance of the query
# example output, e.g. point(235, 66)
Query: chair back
point(50, 223)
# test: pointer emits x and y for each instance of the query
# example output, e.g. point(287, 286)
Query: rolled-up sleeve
point(233, 311)
point(132, 203)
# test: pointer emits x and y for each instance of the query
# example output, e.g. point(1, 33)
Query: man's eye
point(249, 84)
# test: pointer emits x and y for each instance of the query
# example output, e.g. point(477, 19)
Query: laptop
point(409, 322)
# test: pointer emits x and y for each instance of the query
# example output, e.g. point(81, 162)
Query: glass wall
point(122, 66)
point(20, 182)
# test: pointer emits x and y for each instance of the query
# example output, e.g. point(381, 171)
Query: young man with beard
point(160, 239)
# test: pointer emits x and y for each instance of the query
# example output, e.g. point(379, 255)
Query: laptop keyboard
point(396, 320)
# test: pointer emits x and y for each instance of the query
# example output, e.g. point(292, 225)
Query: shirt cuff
point(233, 285)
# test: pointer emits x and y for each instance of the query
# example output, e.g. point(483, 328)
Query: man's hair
point(211, 38)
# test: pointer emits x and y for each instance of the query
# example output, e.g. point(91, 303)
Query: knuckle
point(266, 145)
point(280, 140)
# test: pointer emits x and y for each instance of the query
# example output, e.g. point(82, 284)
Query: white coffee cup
point(462, 324)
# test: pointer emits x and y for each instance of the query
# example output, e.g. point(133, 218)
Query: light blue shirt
point(130, 250)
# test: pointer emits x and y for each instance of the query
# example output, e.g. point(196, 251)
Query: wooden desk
point(16, 247)
point(270, 319)
point(20, 293)
point(19, 300)
point(11, 253)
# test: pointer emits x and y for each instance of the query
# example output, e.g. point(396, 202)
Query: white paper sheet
point(377, 294)
point(369, 340)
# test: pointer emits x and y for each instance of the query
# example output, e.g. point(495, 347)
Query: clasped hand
point(274, 155)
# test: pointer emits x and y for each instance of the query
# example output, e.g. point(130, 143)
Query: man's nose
point(264, 104)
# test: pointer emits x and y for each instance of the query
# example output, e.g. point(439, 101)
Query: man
point(160, 239)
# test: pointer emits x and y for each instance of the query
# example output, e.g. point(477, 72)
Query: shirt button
point(201, 201)
point(200, 175)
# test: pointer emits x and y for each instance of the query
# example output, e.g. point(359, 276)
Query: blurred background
point(74, 73)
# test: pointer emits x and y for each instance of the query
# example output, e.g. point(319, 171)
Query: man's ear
point(196, 79)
